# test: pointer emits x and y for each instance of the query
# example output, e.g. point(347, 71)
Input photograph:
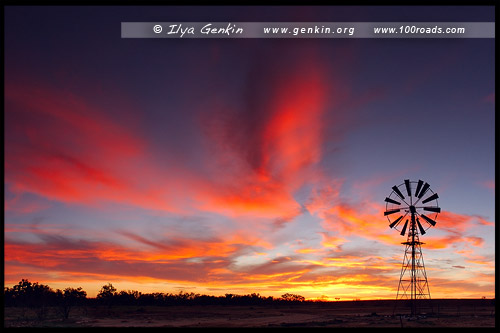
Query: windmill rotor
point(412, 198)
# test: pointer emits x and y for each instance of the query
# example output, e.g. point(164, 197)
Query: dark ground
point(440, 313)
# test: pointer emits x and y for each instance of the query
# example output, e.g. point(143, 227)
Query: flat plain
point(439, 313)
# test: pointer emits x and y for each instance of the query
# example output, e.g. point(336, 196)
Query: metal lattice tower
point(413, 284)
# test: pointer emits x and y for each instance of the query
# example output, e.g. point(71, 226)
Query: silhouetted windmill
point(407, 210)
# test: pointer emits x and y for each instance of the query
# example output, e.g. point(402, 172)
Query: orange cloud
point(332, 241)
point(249, 197)
point(366, 220)
point(174, 259)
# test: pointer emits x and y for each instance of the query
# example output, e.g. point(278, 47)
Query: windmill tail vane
point(411, 209)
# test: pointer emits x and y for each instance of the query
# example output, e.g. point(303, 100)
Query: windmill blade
point(424, 189)
point(419, 186)
point(432, 197)
point(398, 192)
point(404, 228)
point(429, 220)
point(391, 211)
point(393, 224)
point(433, 209)
point(407, 184)
point(392, 201)
point(422, 231)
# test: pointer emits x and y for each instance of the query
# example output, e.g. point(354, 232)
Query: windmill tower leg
point(413, 285)
point(422, 292)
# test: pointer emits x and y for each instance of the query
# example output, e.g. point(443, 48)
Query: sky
point(243, 166)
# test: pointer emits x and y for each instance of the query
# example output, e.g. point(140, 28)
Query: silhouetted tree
point(106, 295)
point(38, 296)
point(32, 295)
point(8, 297)
point(69, 298)
point(292, 298)
point(127, 297)
point(151, 299)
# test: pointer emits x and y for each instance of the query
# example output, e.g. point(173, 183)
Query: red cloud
point(292, 139)
point(267, 149)
point(59, 147)
point(63, 147)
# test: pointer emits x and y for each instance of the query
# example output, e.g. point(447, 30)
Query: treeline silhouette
point(39, 297)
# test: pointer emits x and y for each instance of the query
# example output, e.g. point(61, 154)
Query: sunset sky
point(243, 165)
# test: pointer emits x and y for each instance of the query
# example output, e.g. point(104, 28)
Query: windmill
point(411, 209)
